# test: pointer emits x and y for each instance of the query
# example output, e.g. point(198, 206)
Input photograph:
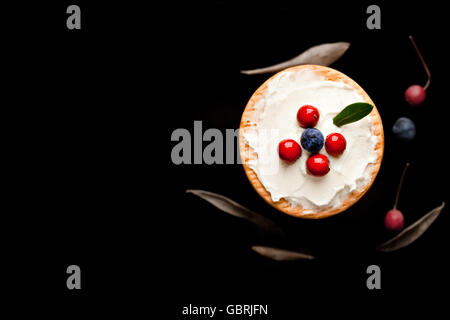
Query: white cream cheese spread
point(276, 119)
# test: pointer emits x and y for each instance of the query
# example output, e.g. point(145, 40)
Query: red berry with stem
point(335, 144)
point(394, 221)
point(289, 150)
point(317, 165)
point(415, 94)
point(308, 116)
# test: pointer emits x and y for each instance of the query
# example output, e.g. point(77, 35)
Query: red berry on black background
point(394, 220)
point(415, 95)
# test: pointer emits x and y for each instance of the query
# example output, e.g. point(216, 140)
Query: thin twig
point(423, 62)
point(400, 184)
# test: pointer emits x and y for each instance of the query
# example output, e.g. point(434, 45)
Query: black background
point(93, 183)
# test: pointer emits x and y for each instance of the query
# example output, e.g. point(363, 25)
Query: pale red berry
point(415, 95)
point(394, 220)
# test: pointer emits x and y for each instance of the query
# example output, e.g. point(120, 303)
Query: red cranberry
point(317, 165)
point(289, 150)
point(308, 116)
point(394, 220)
point(335, 144)
point(415, 95)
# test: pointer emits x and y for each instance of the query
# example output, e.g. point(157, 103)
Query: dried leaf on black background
point(323, 55)
point(413, 232)
point(281, 254)
point(235, 209)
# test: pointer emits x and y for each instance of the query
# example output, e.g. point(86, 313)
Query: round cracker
point(248, 154)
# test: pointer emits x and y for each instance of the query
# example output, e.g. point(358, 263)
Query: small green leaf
point(351, 113)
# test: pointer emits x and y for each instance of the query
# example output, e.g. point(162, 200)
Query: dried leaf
point(324, 55)
point(413, 232)
point(235, 209)
point(281, 254)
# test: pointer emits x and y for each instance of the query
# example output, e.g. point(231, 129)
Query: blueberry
point(404, 129)
point(312, 140)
